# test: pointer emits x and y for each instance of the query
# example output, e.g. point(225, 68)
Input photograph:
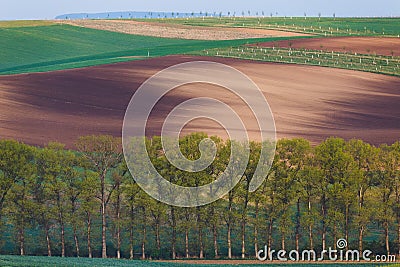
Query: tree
point(116, 203)
point(338, 169)
point(90, 188)
point(120, 177)
point(16, 174)
point(102, 153)
point(388, 170)
point(231, 213)
point(310, 177)
point(157, 213)
point(244, 190)
point(395, 149)
point(131, 191)
point(41, 208)
point(294, 156)
point(142, 201)
point(215, 210)
point(56, 166)
point(19, 209)
point(366, 157)
point(16, 163)
point(258, 198)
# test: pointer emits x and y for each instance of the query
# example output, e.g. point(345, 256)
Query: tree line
point(84, 202)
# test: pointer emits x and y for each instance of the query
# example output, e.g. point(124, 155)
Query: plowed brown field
point(360, 45)
point(310, 102)
point(178, 31)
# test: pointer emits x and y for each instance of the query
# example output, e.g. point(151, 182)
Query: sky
point(48, 9)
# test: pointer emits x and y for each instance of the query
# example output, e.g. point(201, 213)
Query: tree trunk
point(89, 226)
point(103, 221)
point(297, 235)
point(158, 240)
point(255, 240)
point(346, 226)
point(173, 219)
point(118, 242)
point(398, 235)
point(118, 210)
point(244, 218)
point(200, 232)
point(360, 238)
point(215, 238)
point(144, 243)
point(323, 209)
point(76, 242)
point(21, 241)
point(334, 237)
point(256, 229)
point(229, 242)
point(270, 235)
point(48, 240)
point(386, 224)
point(62, 234)
point(229, 224)
point(187, 242)
point(243, 239)
point(283, 240)
point(310, 227)
point(361, 228)
point(131, 255)
point(201, 254)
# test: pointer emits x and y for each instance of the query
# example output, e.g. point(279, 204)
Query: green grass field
point(318, 26)
point(38, 46)
point(55, 47)
point(33, 261)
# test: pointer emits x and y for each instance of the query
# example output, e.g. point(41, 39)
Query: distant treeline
point(130, 15)
point(55, 201)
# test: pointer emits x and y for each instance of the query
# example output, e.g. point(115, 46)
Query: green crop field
point(318, 26)
point(37, 46)
point(32, 261)
point(371, 63)
point(55, 47)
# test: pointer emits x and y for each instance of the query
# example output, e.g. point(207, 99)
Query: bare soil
point(307, 101)
point(178, 31)
point(361, 45)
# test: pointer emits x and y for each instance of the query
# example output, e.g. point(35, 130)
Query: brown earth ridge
point(362, 45)
point(165, 30)
point(307, 101)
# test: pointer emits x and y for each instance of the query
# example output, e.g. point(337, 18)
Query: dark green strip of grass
point(33, 261)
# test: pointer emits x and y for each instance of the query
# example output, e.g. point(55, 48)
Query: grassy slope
point(54, 47)
point(361, 26)
point(85, 262)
